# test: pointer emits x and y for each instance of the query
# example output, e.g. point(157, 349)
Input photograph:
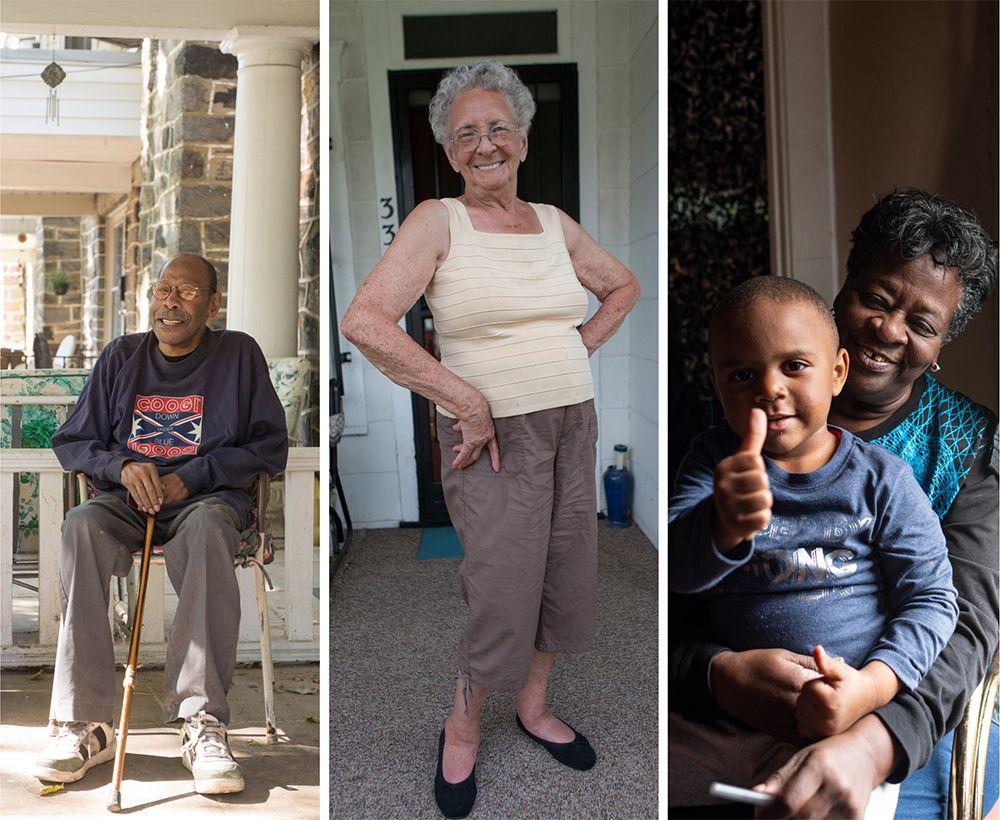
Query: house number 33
point(387, 218)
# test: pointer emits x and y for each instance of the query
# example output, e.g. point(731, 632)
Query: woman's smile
point(872, 359)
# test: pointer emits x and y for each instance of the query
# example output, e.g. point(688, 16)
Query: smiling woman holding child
point(919, 268)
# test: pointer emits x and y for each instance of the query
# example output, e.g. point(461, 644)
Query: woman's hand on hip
point(477, 431)
point(834, 777)
point(761, 686)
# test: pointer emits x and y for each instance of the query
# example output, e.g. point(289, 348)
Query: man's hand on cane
point(142, 480)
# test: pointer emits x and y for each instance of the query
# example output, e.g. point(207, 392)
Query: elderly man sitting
point(183, 418)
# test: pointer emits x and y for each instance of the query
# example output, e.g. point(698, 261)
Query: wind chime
point(53, 74)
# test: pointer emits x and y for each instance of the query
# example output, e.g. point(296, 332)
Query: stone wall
point(309, 249)
point(13, 305)
point(188, 119)
point(58, 255)
point(92, 243)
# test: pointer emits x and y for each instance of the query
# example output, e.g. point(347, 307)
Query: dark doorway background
point(550, 174)
point(717, 216)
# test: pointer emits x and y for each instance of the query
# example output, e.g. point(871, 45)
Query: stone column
point(263, 297)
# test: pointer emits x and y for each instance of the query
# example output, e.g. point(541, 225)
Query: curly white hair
point(490, 75)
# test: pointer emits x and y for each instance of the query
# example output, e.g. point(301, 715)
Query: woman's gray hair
point(490, 75)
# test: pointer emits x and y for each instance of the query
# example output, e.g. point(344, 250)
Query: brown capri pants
point(529, 534)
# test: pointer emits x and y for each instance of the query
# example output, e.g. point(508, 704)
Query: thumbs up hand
point(741, 495)
point(831, 704)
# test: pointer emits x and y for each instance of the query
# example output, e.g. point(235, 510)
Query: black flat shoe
point(454, 799)
point(577, 753)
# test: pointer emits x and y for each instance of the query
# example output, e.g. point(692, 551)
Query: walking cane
point(115, 798)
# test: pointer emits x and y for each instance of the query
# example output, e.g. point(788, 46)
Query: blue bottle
point(618, 483)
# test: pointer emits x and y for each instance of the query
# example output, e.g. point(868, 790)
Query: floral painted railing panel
point(290, 377)
point(38, 421)
point(34, 404)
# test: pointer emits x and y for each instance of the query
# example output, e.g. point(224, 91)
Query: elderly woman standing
point(505, 280)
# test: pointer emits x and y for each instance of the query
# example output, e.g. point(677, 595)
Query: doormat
point(439, 542)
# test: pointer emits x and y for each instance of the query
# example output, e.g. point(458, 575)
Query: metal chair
point(341, 531)
point(255, 548)
point(64, 353)
point(971, 741)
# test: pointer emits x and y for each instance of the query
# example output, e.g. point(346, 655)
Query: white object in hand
point(738, 795)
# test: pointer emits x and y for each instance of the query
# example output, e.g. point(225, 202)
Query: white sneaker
point(205, 753)
point(77, 747)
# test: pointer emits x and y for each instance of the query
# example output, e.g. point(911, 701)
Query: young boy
point(799, 536)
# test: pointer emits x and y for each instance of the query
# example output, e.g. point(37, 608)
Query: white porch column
point(263, 297)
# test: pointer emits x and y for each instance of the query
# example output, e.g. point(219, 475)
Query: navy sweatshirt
point(212, 417)
point(853, 559)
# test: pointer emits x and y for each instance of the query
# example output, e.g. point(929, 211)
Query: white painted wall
point(613, 151)
point(643, 260)
point(102, 102)
point(376, 454)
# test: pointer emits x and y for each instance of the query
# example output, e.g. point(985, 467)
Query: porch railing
point(293, 606)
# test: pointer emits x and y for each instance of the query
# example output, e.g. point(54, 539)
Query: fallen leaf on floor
point(296, 690)
point(36, 675)
point(51, 789)
point(312, 719)
point(256, 743)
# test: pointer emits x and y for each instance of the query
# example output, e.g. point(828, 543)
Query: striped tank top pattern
point(506, 308)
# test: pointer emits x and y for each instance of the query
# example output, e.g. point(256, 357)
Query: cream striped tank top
point(506, 308)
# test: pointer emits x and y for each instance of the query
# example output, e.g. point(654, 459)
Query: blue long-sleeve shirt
point(212, 418)
point(853, 559)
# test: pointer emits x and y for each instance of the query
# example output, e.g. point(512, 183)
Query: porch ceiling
point(180, 19)
point(64, 148)
point(49, 163)
point(46, 204)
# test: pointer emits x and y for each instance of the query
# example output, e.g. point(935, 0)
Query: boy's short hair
point(778, 289)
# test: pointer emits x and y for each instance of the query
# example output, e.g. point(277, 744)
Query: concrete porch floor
point(282, 780)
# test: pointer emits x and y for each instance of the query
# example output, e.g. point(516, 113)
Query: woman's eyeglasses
point(187, 292)
point(500, 135)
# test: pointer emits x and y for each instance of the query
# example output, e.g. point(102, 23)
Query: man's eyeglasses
point(500, 135)
point(162, 292)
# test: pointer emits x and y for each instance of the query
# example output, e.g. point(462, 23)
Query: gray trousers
point(198, 544)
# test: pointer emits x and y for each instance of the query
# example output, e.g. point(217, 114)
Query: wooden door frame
point(117, 216)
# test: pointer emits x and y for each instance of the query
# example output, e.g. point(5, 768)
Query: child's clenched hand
point(831, 704)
